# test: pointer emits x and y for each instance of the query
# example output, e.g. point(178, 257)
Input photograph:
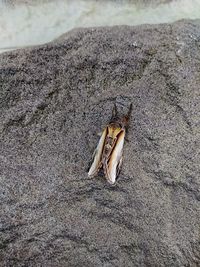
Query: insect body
point(108, 154)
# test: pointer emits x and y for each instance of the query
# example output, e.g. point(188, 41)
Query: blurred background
point(27, 22)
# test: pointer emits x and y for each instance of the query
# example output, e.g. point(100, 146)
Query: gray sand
point(54, 99)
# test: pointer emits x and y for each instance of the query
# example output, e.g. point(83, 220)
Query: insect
point(108, 154)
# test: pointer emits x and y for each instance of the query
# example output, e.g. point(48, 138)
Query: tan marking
point(113, 131)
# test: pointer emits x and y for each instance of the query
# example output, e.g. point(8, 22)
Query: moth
point(108, 154)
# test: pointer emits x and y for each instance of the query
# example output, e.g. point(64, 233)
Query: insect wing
point(98, 155)
point(115, 158)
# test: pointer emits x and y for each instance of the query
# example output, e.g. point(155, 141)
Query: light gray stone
point(140, 2)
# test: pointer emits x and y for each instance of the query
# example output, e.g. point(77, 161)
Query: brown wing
point(96, 165)
point(115, 160)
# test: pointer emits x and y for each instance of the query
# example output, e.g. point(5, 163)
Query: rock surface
point(54, 99)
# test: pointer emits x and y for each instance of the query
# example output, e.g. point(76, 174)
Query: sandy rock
point(54, 99)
